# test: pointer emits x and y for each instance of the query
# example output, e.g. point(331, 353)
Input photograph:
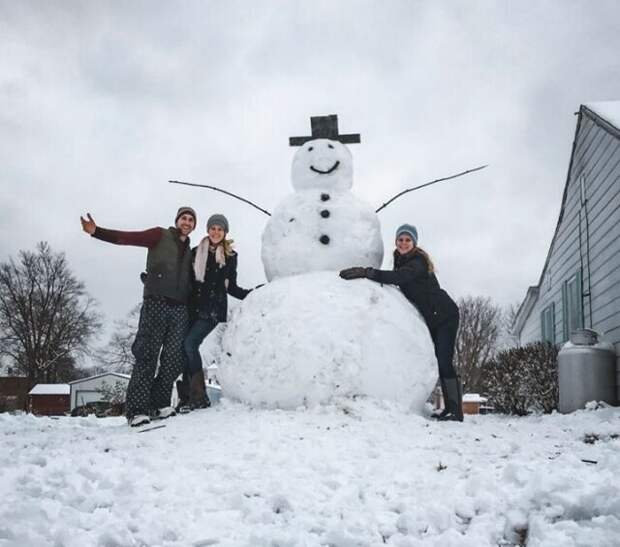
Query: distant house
point(473, 403)
point(97, 388)
point(580, 281)
point(13, 393)
point(49, 399)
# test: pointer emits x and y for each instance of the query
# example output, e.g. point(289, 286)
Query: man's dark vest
point(168, 271)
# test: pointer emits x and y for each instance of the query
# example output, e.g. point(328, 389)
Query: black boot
point(444, 395)
point(453, 401)
point(183, 394)
point(197, 392)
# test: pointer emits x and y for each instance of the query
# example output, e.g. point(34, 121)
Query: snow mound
point(308, 339)
point(359, 474)
point(315, 230)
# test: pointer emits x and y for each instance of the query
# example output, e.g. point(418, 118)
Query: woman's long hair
point(228, 246)
point(423, 254)
point(426, 257)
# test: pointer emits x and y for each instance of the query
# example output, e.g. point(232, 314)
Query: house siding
point(587, 238)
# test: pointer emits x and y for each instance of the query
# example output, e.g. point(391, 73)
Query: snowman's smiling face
point(322, 163)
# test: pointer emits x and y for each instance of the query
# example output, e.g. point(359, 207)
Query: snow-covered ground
point(361, 473)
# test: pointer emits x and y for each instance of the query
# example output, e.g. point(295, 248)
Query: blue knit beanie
point(410, 230)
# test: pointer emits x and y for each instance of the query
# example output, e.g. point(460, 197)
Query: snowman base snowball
point(312, 338)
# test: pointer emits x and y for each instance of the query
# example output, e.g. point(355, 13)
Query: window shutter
point(547, 324)
point(565, 312)
point(579, 300)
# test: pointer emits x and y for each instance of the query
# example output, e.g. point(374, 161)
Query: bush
point(523, 380)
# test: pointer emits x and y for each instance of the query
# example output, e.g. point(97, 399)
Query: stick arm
point(223, 192)
point(428, 184)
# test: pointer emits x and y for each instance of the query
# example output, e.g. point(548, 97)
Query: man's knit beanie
point(218, 219)
point(184, 211)
point(410, 230)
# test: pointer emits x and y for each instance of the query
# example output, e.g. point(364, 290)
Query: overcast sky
point(102, 102)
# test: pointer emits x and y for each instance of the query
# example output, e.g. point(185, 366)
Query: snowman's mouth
point(330, 170)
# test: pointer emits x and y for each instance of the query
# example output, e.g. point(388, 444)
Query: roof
point(120, 375)
point(607, 110)
point(525, 308)
point(474, 398)
point(50, 389)
point(607, 116)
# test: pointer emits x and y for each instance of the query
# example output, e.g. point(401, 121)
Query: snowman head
point(322, 163)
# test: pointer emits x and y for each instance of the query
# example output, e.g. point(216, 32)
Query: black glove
point(354, 273)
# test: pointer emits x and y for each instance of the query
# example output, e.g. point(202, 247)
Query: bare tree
point(508, 338)
point(116, 356)
point(47, 319)
point(476, 340)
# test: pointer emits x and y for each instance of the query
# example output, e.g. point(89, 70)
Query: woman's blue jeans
point(197, 333)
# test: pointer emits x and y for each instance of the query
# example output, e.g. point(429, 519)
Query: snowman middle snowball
point(322, 226)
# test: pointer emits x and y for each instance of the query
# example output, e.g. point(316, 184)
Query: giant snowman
point(309, 337)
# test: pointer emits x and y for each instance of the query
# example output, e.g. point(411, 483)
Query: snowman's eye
point(330, 146)
point(310, 148)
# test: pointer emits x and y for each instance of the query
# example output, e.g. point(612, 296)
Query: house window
point(572, 304)
point(547, 322)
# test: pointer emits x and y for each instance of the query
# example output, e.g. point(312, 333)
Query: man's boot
point(453, 403)
point(197, 392)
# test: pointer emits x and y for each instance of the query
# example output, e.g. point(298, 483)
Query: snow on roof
point(608, 110)
point(119, 374)
point(50, 389)
point(474, 398)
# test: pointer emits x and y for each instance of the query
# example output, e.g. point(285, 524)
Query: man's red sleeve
point(147, 238)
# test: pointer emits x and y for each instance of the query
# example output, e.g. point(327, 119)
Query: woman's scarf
point(202, 254)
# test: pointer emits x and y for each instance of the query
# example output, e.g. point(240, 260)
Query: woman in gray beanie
point(414, 273)
point(214, 277)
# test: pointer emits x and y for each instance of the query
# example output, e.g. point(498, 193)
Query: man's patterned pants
point(161, 332)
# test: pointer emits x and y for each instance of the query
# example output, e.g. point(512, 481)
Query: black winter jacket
point(420, 287)
point(209, 299)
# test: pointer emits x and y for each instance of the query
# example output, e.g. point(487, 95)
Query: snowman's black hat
point(325, 127)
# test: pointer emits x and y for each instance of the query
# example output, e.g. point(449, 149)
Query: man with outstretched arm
point(163, 317)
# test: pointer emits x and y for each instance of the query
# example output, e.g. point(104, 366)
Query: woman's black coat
point(420, 287)
point(208, 299)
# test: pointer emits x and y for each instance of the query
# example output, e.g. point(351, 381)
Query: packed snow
point(50, 389)
point(357, 473)
point(305, 339)
point(298, 239)
point(322, 226)
point(322, 163)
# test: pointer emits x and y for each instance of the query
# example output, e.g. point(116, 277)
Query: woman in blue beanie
point(414, 273)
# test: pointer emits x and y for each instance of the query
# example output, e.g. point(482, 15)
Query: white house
point(579, 285)
point(89, 390)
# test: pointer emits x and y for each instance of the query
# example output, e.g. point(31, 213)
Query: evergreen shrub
point(523, 380)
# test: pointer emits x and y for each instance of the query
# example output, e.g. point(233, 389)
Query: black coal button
point(324, 239)
point(325, 213)
point(324, 197)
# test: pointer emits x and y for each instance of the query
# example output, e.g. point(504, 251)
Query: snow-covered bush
point(115, 395)
point(523, 380)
